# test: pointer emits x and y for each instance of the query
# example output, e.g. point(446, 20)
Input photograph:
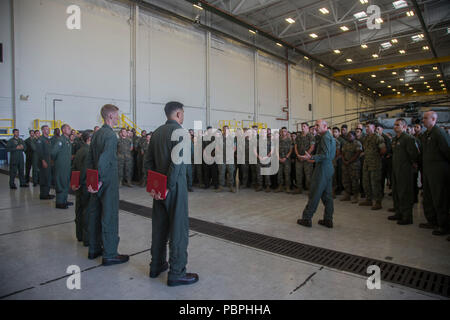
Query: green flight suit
point(43, 150)
point(436, 176)
point(170, 216)
point(29, 158)
point(82, 195)
point(35, 161)
point(404, 154)
point(103, 209)
point(322, 178)
point(53, 140)
point(62, 157)
point(16, 163)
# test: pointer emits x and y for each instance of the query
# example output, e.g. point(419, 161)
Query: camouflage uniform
point(140, 158)
point(350, 172)
point(259, 165)
point(144, 148)
point(243, 168)
point(335, 164)
point(226, 168)
point(285, 168)
point(372, 166)
point(125, 159)
point(304, 167)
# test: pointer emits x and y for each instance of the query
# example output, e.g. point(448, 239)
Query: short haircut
point(208, 127)
point(344, 126)
point(64, 125)
point(403, 121)
point(172, 107)
point(36, 131)
point(358, 129)
point(44, 126)
point(14, 130)
point(107, 109)
point(353, 133)
point(283, 128)
point(30, 131)
point(86, 135)
point(305, 123)
point(418, 124)
point(379, 125)
point(370, 123)
point(336, 128)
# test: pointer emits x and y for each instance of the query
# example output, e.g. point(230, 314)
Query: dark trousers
point(45, 178)
point(81, 217)
point(211, 175)
point(170, 223)
point(15, 169)
point(28, 165)
point(104, 221)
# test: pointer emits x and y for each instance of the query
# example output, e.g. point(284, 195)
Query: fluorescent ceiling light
point(421, 77)
point(399, 4)
point(417, 37)
point(394, 40)
point(290, 20)
point(306, 58)
point(324, 11)
point(402, 51)
point(399, 92)
point(279, 44)
point(431, 89)
point(393, 72)
point(198, 6)
point(382, 81)
point(313, 35)
point(373, 76)
point(408, 70)
point(344, 28)
point(379, 20)
point(386, 45)
point(416, 70)
point(414, 91)
point(359, 84)
point(434, 68)
point(349, 60)
point(438, 75)
point(337, 51)
point(401, 79)
point(426, 82)
point(375, 55)
point(360, 15)
point(389, 86)
point(410, 13)
point(425, 48)
point(440, 81)
point(349, 79)
point(321, 65)
point(251, 31)
point(364, 46)
point(363, 1)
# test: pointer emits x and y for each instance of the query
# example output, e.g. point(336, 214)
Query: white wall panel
point(6, 108)
point(271, 87)
point(338, 104)
point(52, 60)
point(301, 94)
point(323, 98)
point(232, 77)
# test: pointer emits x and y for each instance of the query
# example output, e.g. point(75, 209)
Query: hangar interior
point(274, 63)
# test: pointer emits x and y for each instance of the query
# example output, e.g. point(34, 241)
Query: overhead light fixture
point(344, 28)
point(410, 13)
point(360, 15)
point(379, 20)
point(394, 89)
point(393, 72)
point(394, 40)
point(438, 75)
point(279, 44)
point(381, 81)
point(406, 84)
point(306, 58)
point(198, 6)
point(290, 20)
point(414, 91)
point(386, 45)
point(442, 85)
point(373, 76)
point(401, 51)
point(368, 89)
point(349, 79)
point(410, 88)
point(349, 60)
point(425, 48)
point(337, 51)
point(425, 82)
point(364, 46)
point(417, 37)
point(375, 55)
point(435, 68)
point(313, 35)
point(399, 4)
point(251, 31)
point(421, 77)
point(408, 70)
point(398, 92)
point(428, 86)
point(401, 79)
point(440, 81)
point(416, 70)
point(321, 65)
point(431, 89)
point(364, 1)
point(324, 11)
point(374, 91)
point(379, 94)
point(359, 84)
point(389, 86)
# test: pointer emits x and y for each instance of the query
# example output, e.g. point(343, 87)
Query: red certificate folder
point(75, 179)
point(92, 179)
point(156, 182)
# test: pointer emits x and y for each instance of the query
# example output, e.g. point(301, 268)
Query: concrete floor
point(37, 244)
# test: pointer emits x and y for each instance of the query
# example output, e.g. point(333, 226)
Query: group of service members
point(363, 163)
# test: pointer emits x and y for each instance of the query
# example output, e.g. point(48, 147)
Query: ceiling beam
point(392, 66)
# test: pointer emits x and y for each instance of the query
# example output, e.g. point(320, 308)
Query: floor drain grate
point(410, 277)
